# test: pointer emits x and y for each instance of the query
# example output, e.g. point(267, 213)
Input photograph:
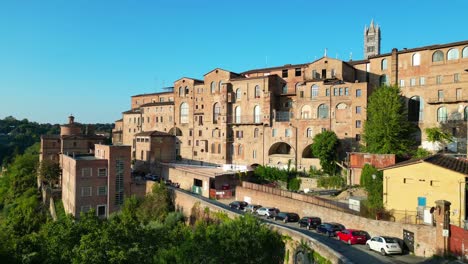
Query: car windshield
point(358, 233)
point(389, 240)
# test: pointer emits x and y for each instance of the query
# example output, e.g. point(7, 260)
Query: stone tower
point(371, 40)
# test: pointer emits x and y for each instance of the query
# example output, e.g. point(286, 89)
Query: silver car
point(384, 245)
point(267, 211)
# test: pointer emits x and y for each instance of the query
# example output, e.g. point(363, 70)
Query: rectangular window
point(86, 191)
point(335, 91)
point(413, 82)
point(298, 72)
point(287, 132)
point(327, 92)
point(190, 132)
point(195, 153)
point(190, 142)
point(301, 94)
point(358, 109)
point(239, 134)
point(402, 83)
point(273, 132)
point(358, 92)
point(440, 95)
point(102, 172)
point(314, 75)
point(86, 172)
point(370, 49)
point(101, 210)
point(85, 208)
point(422, 81)
point(102, 190)
point(341, 91)
point(459, 94)
point(346, 91)
point(358, 123)
point(333, 73)
point(196, 143)
point(284, 73)
point(358, 137)
point(439, 79)
point(119, 182)
point(254, 154)
point(456, 77)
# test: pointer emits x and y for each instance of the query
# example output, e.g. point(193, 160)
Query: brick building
point(96, 181)
point(269, 116)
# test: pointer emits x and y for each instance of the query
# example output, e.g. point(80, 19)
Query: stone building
point(96, 181)
point(269, 116)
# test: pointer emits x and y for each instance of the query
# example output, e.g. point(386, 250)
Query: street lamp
point(295, 149)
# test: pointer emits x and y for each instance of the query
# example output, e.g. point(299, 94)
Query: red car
point(352, 236)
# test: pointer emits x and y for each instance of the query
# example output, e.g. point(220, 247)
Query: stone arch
point(341, 112)
point(415, 108)
point(307, 152)
point(280, 148)
point(175, 131)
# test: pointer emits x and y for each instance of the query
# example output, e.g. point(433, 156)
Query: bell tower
point(371, 40)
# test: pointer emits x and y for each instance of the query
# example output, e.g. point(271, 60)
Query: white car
point(384, 245)
point(267, 211)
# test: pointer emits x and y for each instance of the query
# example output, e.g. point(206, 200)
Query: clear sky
point(89, 57)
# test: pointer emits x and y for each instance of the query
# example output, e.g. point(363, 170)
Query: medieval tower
point(371, 40)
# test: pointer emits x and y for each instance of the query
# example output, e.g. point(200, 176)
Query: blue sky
point(89, 57)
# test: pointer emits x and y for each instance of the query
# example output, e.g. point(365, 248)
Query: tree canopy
point(387, 129)
point(325, 147)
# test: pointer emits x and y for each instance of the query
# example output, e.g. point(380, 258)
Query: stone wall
point(425, 236)
point(184, 203)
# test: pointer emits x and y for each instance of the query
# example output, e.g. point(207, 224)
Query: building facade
point(269, 116)
point(96, 181)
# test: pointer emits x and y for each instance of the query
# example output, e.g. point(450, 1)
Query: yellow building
point(415, 185)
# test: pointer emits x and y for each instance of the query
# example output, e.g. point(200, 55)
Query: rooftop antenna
point(325, 54)
point(351, 56)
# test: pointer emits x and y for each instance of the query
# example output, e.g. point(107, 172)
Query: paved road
point(356, 253)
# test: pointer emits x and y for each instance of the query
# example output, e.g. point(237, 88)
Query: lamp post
point(295, 148)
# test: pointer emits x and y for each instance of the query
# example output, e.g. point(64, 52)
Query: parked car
point(287, 217)
point(267, 211)
point(239, 205)
point(384, 245)
point(352, 236)
point(252, 208)
point(330, 229)
point(151, 177)
point(310, 222)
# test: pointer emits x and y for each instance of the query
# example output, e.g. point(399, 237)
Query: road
point(355, 253)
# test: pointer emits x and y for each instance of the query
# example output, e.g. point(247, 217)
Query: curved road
point(355, 253)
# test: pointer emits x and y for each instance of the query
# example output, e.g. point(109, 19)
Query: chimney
point(71, 119)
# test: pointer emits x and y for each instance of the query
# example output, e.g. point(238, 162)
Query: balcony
point(245, 119)
point(447, 100)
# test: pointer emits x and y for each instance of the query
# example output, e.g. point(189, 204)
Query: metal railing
point(283, 116)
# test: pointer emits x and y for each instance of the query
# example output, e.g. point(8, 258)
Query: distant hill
point(17, 135)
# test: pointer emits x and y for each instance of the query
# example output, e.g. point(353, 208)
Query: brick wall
point(424, 235)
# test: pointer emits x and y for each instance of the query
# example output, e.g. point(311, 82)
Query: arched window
point(442, 114)
point(213, 87)
point(240, 149)
point(237, 115)
point(184, 113)
point(257, 114)
point(181, 91)
point(306, 112)
point(415, 109)
point(285, 89)
point(323, 111)
point(186, 90)
point(383, 64)
point(465, 116)
point(416, 59)
point(257, 91)
point(256, 133)
point(298, 85)
point(216, 112)
point(309, 132)
point(452, 54)
point(314, 90)
point(465, 52)
point(238, 94)
point(383, 80)
point(220, 86)
point(437, 56)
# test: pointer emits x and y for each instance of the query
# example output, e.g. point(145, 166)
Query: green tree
point(325, 147)
point(50, 171)
point(435, 134)
point(156, 205)
point(372, 181)
point(387, 129)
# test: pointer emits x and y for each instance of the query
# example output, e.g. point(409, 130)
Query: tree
point(156, 205)
point(49, 171)
point(387, 129)
point(325, 148)
point(372, 181)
